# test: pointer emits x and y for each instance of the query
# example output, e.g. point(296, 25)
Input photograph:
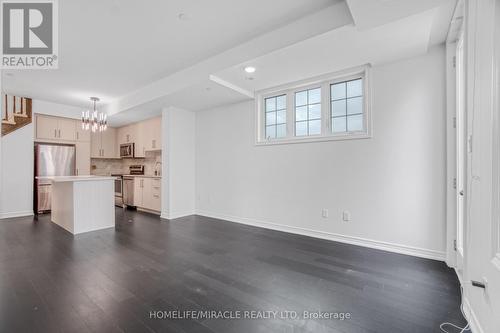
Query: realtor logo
point(29, 34)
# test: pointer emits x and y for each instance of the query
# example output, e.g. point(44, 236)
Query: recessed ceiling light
point(9, 74)
point(250, 69)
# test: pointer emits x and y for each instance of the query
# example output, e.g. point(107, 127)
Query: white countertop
point(75, 178)
point(143, 176)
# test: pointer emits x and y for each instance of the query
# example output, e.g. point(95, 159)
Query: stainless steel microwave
point(127, 150)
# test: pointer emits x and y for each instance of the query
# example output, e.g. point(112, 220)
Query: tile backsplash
point(106, 167)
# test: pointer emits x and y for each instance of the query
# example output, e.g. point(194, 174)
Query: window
point(330, 107)
point(308, 112)
point(275, 117)
point(346, 100)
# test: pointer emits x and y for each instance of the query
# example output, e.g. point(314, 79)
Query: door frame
point(456, 30)
point(461, 153)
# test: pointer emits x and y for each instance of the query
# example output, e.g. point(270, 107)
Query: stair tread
point(8, 122)
point(20, 115)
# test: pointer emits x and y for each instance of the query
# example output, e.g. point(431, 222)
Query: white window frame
point(323, 81)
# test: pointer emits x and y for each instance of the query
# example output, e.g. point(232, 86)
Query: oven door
point(118, 187)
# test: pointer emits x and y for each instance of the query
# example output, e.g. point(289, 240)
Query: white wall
point(56, 109)
point(393, 184)
point(178, 165)
point(16, 176)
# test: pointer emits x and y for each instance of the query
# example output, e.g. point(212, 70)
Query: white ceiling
point(334, 51)
point(139, 56)
point(109, 48)
point(201, 96)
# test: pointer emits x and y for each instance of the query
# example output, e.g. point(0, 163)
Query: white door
point(461, 126)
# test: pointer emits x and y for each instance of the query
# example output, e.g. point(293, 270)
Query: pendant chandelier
point(93, 120)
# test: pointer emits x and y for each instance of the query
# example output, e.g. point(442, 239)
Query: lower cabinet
point(147, 193)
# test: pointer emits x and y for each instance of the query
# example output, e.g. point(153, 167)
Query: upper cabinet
point(127, 134)
point(152, 138)
point(81, 134)
point(103, 144)
point(55, 128)
point(146, 136)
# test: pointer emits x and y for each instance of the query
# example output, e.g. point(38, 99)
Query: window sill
point(322, 138)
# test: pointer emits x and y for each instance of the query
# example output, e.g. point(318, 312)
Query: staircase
point(16, 113)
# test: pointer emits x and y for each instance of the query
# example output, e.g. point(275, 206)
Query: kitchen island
point(82, 203)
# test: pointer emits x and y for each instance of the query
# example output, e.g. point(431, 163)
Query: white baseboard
point(374, 244)
point(471, 317)
point(175, 215)
point(15, 214)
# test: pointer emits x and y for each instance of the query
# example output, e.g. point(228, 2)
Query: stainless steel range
point(118, 189)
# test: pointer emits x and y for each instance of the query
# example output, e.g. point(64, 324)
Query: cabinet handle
point(156, 195)
point(77, 172)
point(55, 133)
point(153, 143)
point(59, 133)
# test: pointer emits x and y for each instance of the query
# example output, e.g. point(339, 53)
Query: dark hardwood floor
point(115, 280)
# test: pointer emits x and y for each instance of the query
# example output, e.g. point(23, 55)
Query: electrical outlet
point(346, 216)
point(324, 213)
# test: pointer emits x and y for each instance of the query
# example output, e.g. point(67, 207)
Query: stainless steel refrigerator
point(51, 160)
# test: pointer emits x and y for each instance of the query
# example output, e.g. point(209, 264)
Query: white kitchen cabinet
point(66, 129)
point(95, 145)
point(138, 191)
point(156, 140)
point(103, 144)
point(155, 194)
point(147, 193)
point(46, 127)
point(109, 143)
point(140, 139)
point(82, 158)
point(55, 128)
point(126, 134)
point(81, 134)
point(152, 134)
